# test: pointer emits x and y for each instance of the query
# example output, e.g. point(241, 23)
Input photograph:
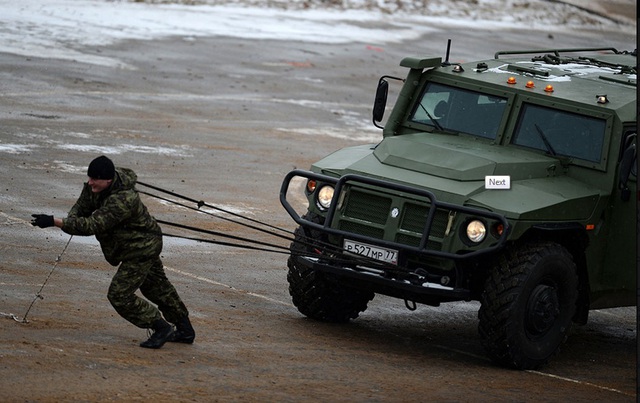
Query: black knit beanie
point(101, 168)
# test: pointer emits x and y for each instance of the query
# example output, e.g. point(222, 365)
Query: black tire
point(528, 304)
point(313, 293)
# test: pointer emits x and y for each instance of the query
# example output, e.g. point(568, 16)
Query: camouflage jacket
point(118, 219)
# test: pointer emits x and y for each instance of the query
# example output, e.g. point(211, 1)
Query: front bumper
point(412, 288)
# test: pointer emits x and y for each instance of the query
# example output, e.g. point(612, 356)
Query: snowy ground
point(61, 28)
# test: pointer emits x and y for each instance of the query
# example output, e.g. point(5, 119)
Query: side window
point(560, 133)
point(628, 152)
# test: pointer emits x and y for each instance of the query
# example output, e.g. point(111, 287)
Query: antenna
point(446, 61)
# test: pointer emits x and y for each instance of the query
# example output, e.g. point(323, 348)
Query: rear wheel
point(318, 295)
point(528, 305)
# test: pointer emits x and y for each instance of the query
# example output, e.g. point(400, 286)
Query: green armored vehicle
point(509, 181)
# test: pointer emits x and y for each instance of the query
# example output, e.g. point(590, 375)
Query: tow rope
point(200, 204)
point(195, 229)
point(337, 254)
point(39, 293)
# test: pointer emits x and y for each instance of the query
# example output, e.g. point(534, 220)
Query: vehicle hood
point(460, 158)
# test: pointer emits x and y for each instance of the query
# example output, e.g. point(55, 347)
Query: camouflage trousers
point(149, 277)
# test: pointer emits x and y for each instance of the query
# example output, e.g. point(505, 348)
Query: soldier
point(110, 208)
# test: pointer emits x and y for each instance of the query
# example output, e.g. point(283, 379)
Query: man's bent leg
point(129, 277)
point(159, 290)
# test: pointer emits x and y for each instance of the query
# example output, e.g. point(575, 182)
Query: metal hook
point(411, 305)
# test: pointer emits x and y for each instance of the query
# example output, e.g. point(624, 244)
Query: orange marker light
point(511, 80)
point(590, 227)
point(311, 186)
point(530, 84)
point(548, 88)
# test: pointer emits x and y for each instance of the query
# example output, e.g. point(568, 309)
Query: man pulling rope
point(110, 208)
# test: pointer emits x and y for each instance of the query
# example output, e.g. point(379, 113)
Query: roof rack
point(554, 51)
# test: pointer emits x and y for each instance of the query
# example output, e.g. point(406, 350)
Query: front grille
point(414, 218)
point(369, 214)
point(367, 207)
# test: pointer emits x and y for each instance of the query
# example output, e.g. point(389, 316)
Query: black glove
point(42, 220)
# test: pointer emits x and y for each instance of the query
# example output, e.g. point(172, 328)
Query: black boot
point(184, 332)
point(162, 332)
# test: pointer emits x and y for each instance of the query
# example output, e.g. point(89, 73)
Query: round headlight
point(325, 194)
point(476, 231)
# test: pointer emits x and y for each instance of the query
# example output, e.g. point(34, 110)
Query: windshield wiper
point(545, 140)
point(435, 122)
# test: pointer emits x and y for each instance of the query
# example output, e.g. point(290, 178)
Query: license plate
point(372, 251)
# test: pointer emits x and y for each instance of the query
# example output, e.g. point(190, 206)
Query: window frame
point(482, 90)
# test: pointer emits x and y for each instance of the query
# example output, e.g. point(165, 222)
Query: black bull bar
point(339, 185)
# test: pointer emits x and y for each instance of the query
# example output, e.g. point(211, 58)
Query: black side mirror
point(380, 103)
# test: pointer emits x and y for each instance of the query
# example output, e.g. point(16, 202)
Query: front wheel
point(316, 294)
point(528, 304)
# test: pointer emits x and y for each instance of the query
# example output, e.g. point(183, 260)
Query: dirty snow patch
point(15, 148)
